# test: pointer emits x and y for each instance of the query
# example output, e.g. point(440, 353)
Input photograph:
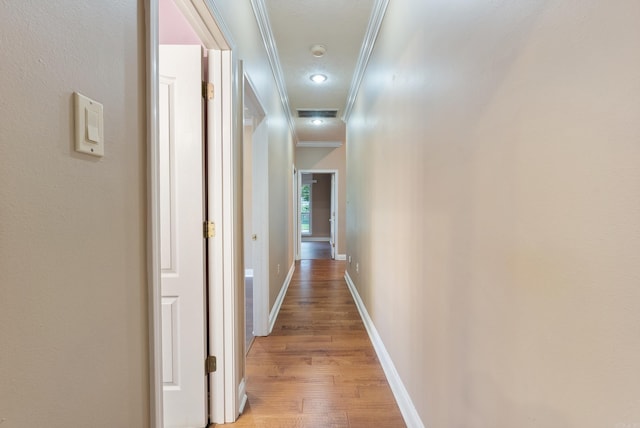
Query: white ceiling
point(343, 27)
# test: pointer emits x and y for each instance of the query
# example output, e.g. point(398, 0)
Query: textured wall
point(73, 319)
point(494, 209)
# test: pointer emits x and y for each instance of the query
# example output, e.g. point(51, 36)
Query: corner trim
point(408, 410)
point(242, 396)
point(375, 21)
point(262, 18)
point(278, 303)
point(153, 219)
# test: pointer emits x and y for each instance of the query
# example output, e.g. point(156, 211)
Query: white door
point(332, 218)
point(181, 236)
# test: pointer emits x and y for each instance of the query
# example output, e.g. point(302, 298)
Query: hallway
point(318, 367)
point(315, 250)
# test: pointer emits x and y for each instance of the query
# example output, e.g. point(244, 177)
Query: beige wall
point(494, 209)
point(73, 294)
point(329, 158)
point(249, 48)
point(280, 212)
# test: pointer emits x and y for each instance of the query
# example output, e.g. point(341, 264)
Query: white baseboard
point(242, 396)
point(408, 410)
point(248, 273)
point(316, 239)
point(341, 257)
point(278, 303)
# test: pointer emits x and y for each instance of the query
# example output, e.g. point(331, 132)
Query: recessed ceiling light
point(317, 121)
point(318, 78)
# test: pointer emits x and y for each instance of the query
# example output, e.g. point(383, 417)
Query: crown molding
point(373, 28)
point(264, 25)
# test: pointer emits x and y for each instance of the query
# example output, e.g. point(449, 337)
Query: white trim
point(242, 395)
point(278, 303)
point(229, 216)
point(375, 21)
point(206, 21)
point(294, 214)
point(319, 144)
point(262, 18)
point(217, 288)
point(334, 196)
point(407, 408)
point(220, 25)
point(316, 238)
point(259, 205)
point(341, 257)
point(153, 216)
point(221, 283)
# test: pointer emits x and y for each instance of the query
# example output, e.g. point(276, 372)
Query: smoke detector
point(318, 50)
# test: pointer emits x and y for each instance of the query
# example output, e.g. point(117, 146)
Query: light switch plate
point(89, 120)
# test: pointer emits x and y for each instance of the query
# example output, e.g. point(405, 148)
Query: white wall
point(494, 209)
point(73, 294)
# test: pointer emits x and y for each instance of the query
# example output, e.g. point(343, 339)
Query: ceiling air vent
point(317, 113)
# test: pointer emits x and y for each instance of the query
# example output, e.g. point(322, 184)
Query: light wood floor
point(318, 367)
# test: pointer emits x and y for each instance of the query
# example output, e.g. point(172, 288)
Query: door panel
point(182, 243)
point(332, 218)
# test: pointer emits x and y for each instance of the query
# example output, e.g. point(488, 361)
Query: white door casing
point(182, 258)
point(224, 203)
point(334, 218)
point(260, 209)
point(207, 21)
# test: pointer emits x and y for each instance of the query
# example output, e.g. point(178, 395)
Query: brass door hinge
point(210, 365)
point(209, 229)
point(207, 90)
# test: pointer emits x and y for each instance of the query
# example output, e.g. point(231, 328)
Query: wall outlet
point(278, 269)
point(357, 267)
point(349, 259)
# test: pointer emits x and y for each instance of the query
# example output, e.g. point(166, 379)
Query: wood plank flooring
point(318, 367)
point(315, 250)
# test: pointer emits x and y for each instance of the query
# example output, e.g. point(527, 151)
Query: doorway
point(218, 395)
point(255, 213)
point(317, 214)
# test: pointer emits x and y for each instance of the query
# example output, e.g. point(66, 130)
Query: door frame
point(334, 199)
point(227, 394)
point(259, 206)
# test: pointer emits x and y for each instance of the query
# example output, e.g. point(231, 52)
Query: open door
point(182, 242)
point(332, 218)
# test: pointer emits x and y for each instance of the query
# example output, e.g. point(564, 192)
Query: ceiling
point(347, 30)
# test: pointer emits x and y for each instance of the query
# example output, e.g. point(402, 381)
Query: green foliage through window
point(305, 208)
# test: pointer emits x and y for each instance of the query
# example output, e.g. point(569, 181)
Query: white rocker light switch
point(89, 120)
